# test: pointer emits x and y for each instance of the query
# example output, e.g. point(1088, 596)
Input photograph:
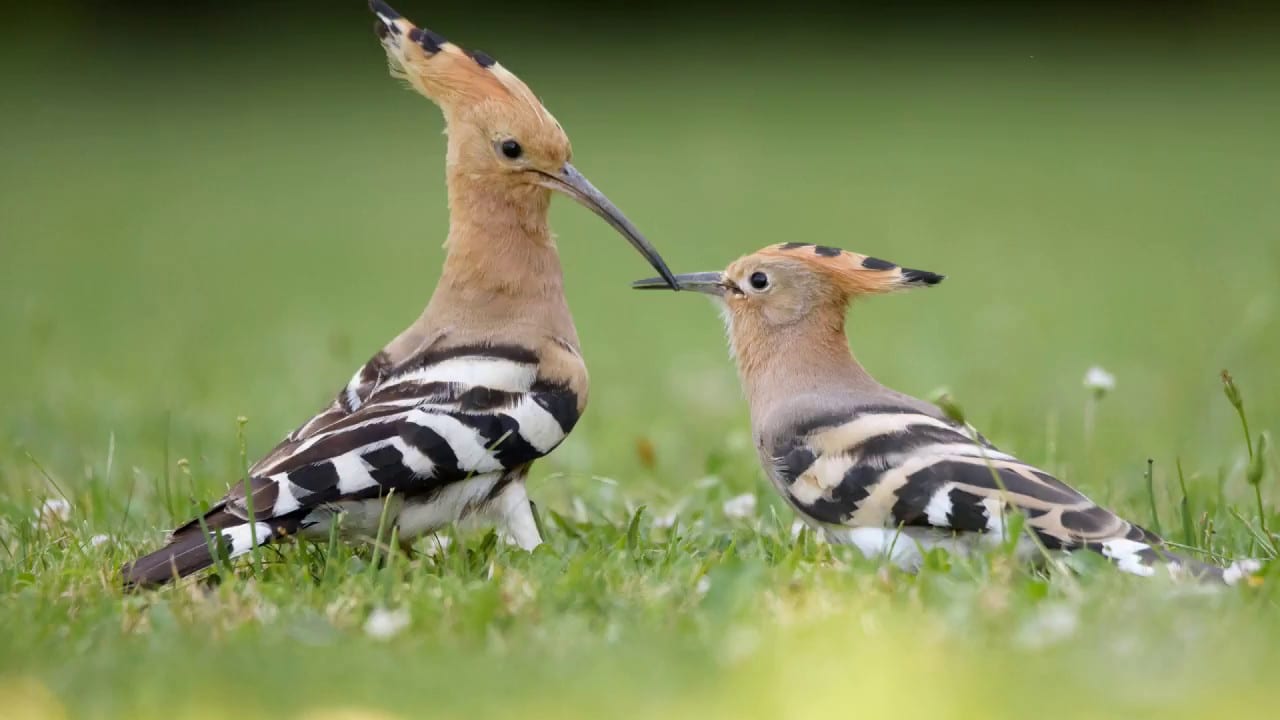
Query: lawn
point(197, 248)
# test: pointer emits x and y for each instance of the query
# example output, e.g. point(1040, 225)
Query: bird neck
point(501, 267)
point(778, 363)
point(500, 241)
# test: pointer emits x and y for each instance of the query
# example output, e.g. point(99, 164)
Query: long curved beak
point(572, 183)
point(710, 283)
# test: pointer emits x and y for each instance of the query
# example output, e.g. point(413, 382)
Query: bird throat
point(500, 237)
point(776, 363)
point(501, 261)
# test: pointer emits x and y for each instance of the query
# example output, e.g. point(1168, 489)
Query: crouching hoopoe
point(872, 467)
point(441, 426)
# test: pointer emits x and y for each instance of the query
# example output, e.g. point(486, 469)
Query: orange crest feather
point(853, 273)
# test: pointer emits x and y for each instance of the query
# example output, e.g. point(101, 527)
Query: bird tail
point(196, 545)
point(1143, 557)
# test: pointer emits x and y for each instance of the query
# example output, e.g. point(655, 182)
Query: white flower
point(1241, 569)
point(437, 545)
point(53, 511)
point(703, 585)
point(99, 539)
point(740, 506)
point(384, 623)
point(797, 526)
point(1099, 380)
point(666, 520)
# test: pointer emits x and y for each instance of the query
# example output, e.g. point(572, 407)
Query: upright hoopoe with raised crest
point(869, 466)
point(441, 426)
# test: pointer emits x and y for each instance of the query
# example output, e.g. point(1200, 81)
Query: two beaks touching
point(500, 125)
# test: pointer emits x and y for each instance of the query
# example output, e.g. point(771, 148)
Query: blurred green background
point(219, 210)
point(221, 215)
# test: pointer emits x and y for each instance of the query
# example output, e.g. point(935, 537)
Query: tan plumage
point(872, 467)
point(441, 425)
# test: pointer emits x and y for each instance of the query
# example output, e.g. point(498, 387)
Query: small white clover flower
point(1241, 570)
point(384, 624)
point(702, 586)
point(1099, 381)
point(797, 526)
point(666, 520)
point(437, 545)
point(740, 506)
point(53, 511)
point(99, 539)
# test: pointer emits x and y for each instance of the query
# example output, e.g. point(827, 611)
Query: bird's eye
point(511, 149)
point(759, 280)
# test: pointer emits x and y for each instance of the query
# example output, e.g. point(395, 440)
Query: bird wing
point(893, 466)
point(354, 395)
point(438, 417)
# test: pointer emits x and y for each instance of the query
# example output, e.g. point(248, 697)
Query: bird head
point(784, 284)
point(500, 135)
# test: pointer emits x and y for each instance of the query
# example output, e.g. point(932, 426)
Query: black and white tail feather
point(895, 481)
point(447, 435)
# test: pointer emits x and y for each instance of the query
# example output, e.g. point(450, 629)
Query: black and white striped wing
point(894, 467)
point(431, 421)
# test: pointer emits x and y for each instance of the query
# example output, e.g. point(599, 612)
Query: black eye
point(511, 149)
point(759, 280)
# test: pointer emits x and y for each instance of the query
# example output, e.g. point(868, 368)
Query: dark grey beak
point(572, 183)
point(711, 283)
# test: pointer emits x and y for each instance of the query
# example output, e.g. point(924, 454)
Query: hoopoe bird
point(440, 427)
point(871, 467)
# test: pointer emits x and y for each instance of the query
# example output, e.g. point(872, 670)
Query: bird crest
point(853, 273)
point(506, 154)
point(469, 86)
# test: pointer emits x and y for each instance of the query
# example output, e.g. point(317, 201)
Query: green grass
point(191, 242)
